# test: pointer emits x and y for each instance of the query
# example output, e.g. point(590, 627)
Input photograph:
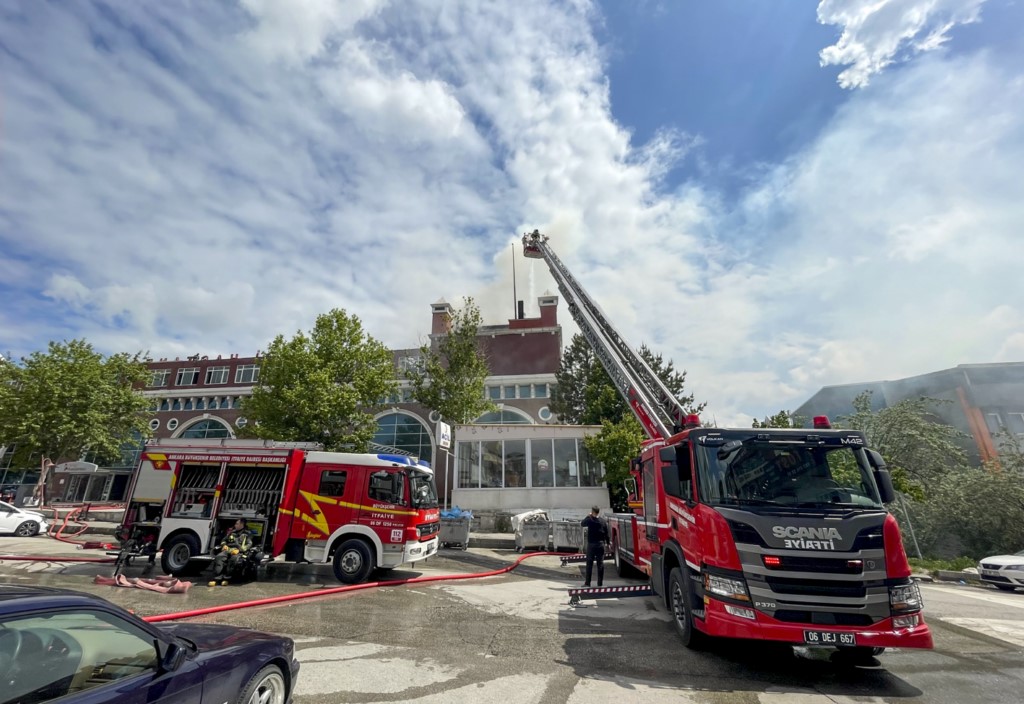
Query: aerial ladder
point(658, 410)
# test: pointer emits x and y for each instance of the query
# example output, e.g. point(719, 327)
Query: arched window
point(209, 428)
point(503, 417)
point(404, 432)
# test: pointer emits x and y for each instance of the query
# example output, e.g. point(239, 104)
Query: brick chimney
point(548, 310)
point(442, 318)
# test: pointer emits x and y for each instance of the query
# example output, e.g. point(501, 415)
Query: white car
point(22, 523)
point(1004, 571)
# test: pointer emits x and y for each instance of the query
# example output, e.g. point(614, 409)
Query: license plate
point(829, 638)
point(990, 573)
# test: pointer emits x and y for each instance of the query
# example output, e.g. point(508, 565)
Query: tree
point(320, 387)
point(71, 400)
point(615, 446)
point(918, 448)
point(586, 396)
point(782, 419)
point(450, 378)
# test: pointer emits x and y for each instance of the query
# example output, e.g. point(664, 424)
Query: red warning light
point(691, 421)
point(772, 561)
point(822, 422)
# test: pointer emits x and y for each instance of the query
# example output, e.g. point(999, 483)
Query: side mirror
point(875, 460)
point(885, 489)
point(172, 656)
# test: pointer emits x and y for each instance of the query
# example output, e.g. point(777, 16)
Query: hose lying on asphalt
point(341, 590)
point(53, 558)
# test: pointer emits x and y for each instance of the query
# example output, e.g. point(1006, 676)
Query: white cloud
point(876, 33)
point(237, 172)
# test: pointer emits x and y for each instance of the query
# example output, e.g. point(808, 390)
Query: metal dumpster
point(567, 535)
point(454, 532)
point(533, 534)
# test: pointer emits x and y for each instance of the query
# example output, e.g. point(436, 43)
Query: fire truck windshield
point(424, 493)
point(747, 470)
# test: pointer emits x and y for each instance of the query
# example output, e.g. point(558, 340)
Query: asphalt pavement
point(514, 638)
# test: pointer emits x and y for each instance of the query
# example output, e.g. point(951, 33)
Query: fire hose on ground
point(85, 544)
point(292, 597)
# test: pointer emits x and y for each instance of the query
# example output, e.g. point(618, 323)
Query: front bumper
point(718, 622)
point(294, 677)
point(1006, 578)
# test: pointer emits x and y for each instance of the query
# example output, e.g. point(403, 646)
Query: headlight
point(1015, 568)
point(905, 598)
point(726, 586)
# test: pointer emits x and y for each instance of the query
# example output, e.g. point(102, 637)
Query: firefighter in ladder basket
point(233, 550)
point(597, 539)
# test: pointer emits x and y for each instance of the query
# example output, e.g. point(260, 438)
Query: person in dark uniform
point(597, 538)
point(232, 550)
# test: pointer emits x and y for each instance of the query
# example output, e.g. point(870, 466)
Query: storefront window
point(491, 463)
point(590, 469)
point(515, 463)
point(469, 465)
point(566, 468)
point(542, 474)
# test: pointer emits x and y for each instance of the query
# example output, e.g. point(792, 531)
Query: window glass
point(187, 377)
point(494, 393)
point(217, 375)
point(515, 463)
point(388, 487)
point(207, 429)
point(510, 392)
point(491, 463)
point(176, 406)
point(332, 482)
point(503, 417)
point(540, 390)
point(541, 460)
point(566, 466)
point(405, 433)
point(469, 465)
point(525, 391)
point(590, 469)
point(247, 374)
point(50, 656)
point(188, 405)
point(159, 378)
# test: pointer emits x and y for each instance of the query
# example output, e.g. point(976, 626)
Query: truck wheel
point(680, 601)
point(623, 568)
point(353, 562)
point(177, 553)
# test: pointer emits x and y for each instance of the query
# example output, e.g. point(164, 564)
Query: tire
point(266, 687)
point(622, 568)
point(177, 553)
point(1005, 587)
point(680, 602)
point(27, 529)
point(353, 562)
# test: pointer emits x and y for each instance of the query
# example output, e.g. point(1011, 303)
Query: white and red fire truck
point(773, 534)
point(357, 511)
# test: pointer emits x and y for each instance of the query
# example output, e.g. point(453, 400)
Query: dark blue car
point(81, 649)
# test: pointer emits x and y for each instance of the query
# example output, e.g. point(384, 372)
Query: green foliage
point(934, 565)
point(320, 387)
point(452, 375)
point(782, 419)
point(918, 448)
point(72, 400)
point(615, 446)
point(585, 394)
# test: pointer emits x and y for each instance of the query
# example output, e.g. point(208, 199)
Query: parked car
point(22, 523)
point(1004, 571)
point(61, 644)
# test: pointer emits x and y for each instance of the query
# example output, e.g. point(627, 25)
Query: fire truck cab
point(356, 511)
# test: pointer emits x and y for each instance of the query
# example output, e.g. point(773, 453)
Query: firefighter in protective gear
point(231, 551)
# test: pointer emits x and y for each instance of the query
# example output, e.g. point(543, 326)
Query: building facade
point(980, 400)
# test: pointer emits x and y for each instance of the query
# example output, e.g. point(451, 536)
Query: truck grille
point(428, 529)
point(817, 587)
point(823, 618)
point(867, 539)
point(823, 565)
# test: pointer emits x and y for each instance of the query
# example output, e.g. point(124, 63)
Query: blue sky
point(777, 196)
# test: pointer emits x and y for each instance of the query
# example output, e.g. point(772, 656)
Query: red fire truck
point(772, 534)
point(357, 511)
